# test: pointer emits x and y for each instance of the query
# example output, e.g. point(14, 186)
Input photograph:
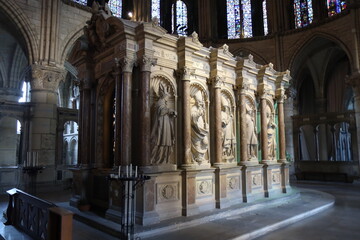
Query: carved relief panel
point(271, 130)
point(199, 108)
point(251, 130)
point(163, 115)
point(228, 126)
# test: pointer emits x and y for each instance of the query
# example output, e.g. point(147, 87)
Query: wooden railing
point(40, 219)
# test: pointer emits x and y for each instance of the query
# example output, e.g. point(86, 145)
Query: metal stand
point(129, 186)
point(32, 173)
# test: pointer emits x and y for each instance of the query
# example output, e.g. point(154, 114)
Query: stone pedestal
point(81, 188)
point(285, 173)
point(272, 179)
point(198, 193)
point(252, 183)
point(228, 187)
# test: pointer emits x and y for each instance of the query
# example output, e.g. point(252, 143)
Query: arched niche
point(324, 138)
point(228, 120)
point(70, 141)
point(307, 143)
point(199, 109)
point(106, 123)
point(163, 97)
point(342, 141)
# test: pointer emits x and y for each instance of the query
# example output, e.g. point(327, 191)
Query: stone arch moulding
point(260, 59)
point(69, 43)
point(306, 40)
point(15, 13)
point(165, 77)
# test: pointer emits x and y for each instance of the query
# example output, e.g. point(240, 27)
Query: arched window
point(335, 6)
point(239, 18)
point(303, 12)
point(265, 18)
point(82, 2)
point(179, 18)
point(155, 9)
point(116, 7)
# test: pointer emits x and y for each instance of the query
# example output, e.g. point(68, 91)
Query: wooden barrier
point(40, 219)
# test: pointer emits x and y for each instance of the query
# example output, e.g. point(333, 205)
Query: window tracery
point(116, 7)
point(265, 18)
point(179, 18)
point(155, 9)
point(303, 12)
point(336, 6)
point(239, 18)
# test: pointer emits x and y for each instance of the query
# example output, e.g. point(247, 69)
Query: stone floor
point(307, 215)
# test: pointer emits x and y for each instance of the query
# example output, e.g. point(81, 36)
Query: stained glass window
point(233, 19)
point(335, 6)
point(155, 9)
point(239, 18)
point(179, 18)
point(246, 9)
point(266, 30)
point(303, 13)
point(115, 7)
point(82, 2)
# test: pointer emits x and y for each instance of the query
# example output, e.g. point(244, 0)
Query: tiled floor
point(340, 222)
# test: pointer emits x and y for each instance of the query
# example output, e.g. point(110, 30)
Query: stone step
point(251, 219)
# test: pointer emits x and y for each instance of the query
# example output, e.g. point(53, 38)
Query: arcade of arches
point(211, 115)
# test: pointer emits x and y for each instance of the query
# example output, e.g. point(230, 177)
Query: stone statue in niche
point(228, 136)
point(251, 131)
point(200, 129)
point(163, 132)
point(271, 133)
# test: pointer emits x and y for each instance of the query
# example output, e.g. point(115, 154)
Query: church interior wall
point(173, 191)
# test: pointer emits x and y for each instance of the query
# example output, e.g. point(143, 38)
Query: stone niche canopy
point(207, 126)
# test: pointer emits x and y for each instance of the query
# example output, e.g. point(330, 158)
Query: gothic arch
point(244, 52)
point(15, 13)
point(306, 42)
point(69, 43)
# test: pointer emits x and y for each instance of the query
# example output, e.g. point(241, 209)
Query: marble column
point(216, 82)
point(126, 111)
point(144, 127)
point(282, 144)
point(264, 140)
point(243, 146)
point(186, 117)
point(117, 76)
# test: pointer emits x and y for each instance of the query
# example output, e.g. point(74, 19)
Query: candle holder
point(130, 181)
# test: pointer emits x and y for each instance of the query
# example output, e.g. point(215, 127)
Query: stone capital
point(280, 95)
point(127, 64)
point(216, 81)
point(185, 73)
point(48, 78)
point(146, 62)
point(263, 94)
